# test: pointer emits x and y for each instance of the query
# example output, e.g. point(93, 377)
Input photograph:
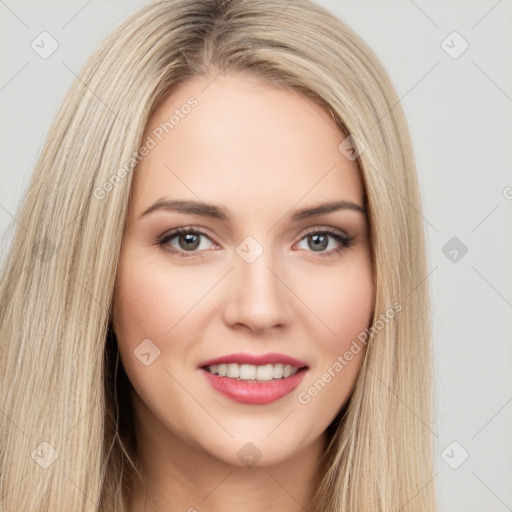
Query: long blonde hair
point(63, 443)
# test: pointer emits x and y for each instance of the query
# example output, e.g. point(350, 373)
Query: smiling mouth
point(254, 373)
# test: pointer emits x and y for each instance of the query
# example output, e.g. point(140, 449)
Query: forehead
point(245, 144)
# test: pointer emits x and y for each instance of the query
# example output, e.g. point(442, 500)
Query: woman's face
point(256, 278)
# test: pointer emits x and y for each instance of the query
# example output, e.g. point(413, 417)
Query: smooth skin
point(260, 153)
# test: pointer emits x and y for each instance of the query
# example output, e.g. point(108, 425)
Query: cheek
point(142, 310)
point(139, 308)
point(345, 304)
point(146, 307)
point(151, 298)
point(344, 301)
point(154, 302)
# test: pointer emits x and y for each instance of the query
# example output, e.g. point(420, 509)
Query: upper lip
point(256, 360)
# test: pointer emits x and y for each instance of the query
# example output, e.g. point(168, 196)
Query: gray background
point(459, 110)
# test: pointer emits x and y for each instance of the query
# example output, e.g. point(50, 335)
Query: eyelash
point(345, 241)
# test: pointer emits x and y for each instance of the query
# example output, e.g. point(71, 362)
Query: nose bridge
point(257, 297)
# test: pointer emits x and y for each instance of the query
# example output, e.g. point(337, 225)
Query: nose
point(257, 298)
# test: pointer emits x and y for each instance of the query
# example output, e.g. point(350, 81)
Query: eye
point(187, 239)
point(318, 240)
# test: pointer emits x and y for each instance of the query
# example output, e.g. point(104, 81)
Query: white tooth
point(265, 372)
point(247, 371)
point(233, 370)
point(251, 372)
point(278, 371)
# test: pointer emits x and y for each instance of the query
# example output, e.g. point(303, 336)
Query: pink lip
point(256, 360)
point(253, 392)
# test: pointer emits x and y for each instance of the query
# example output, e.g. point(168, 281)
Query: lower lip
point(256, 393)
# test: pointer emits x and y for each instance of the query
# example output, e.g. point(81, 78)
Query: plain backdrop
point(451, 63)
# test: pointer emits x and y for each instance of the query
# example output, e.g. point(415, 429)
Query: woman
point(215, 297)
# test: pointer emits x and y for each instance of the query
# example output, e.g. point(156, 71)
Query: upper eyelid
point(323, 229)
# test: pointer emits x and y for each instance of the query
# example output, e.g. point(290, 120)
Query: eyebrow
point(220, 213)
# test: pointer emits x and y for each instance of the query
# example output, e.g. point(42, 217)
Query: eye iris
point(320, 241)
point(189, 238)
